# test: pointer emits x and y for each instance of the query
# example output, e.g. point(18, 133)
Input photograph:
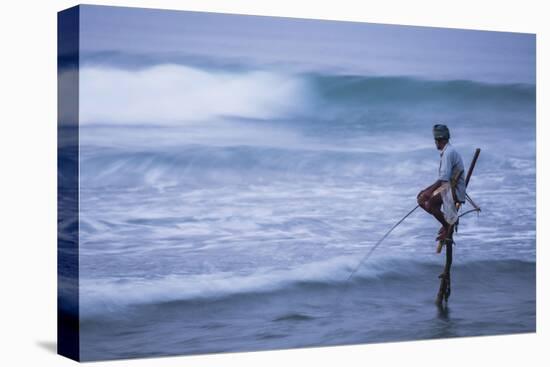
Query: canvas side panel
point(67, 184)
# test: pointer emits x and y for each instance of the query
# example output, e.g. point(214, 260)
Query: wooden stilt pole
point(445, 278)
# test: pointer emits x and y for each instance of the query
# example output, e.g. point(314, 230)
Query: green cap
point(441, 132)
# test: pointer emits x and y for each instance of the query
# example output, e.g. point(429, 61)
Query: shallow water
point(394, 304)
point(191, 241)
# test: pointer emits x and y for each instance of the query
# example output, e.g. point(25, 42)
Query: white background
point(28, 183)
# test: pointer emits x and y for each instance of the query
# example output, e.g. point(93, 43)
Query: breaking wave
point(170, 93)
point(166, 94)
point(108, 296)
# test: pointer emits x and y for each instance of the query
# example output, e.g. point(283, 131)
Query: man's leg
point(433, 206)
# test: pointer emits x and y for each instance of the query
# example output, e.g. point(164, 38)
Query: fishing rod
point(379, 242)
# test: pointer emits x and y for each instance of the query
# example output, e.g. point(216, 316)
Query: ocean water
point(223, 205)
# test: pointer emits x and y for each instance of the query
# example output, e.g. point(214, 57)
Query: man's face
point(440, 144)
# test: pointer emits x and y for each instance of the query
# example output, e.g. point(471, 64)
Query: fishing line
point(469, 211)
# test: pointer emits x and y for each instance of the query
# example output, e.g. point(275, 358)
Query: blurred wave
point(175, 94)
point(109, 297)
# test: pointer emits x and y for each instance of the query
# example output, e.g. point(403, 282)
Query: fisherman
point(441, 198)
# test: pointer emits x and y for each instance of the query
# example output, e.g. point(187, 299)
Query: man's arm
point(445, 171)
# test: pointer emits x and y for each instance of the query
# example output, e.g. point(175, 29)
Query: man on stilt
point(441, 198)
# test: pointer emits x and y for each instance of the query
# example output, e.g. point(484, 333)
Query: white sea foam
point(101, 296)
point(104, 295)
point(167, 94)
